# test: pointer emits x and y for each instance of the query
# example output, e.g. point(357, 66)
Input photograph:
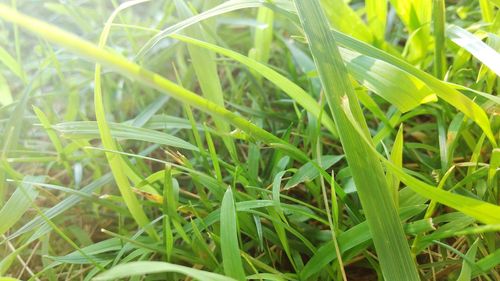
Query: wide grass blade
point(388, 236)
point(11, 63)
point(438, 23)
point(231, 259)
point(376, 14)
point(344, 18)
point(476, 47)
point(18, 204)
point(442, 89)
point(5, 94)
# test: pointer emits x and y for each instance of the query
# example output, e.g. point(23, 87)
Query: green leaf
point(309, 172)
point(116, 163)
point(5, 94)
point(442, 89)
point(389, 82)
point(376, 17)
point(344, 18)
point(140, 268)
point(146, 77)
point(89, 130)
point(395, 261)
point(18, 204)
point(349, 239)
point(231, 258)
point(205, 67)
point(476, 47)
point(11, 63)
point(291, 89)
point(438, 22)
point(466, 272)
point(397, 159)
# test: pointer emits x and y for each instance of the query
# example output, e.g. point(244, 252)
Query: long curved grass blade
point(395, 261)
point(397, 87)
point(441, 89)
point(223, 8)
point(290, 88)
point(132, 70)
point(116, 163)
point(148, 267)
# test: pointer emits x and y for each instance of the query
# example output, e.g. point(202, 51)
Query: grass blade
point(150, 267)
point(5, 94)
point(342, 17)
point(263, 36)
point(205, 67)
point(116, 163)
point(231, 259)
point(476, 47)
point(438, 14)
point(89, 130)
point(11, 63)
point(290, 88)
point(466, 272)
point(482, 211)
point(381, 215)
point(132, 70)
point(18, 204)
point(443, 90)
point(376, 13)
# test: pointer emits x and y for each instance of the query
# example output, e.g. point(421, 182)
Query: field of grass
point(249, 140)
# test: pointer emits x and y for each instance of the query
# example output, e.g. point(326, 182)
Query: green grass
point(249, 140)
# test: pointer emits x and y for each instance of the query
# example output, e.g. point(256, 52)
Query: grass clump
point(247, 139)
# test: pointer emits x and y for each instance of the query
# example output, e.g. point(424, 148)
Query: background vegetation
point(249, 139)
